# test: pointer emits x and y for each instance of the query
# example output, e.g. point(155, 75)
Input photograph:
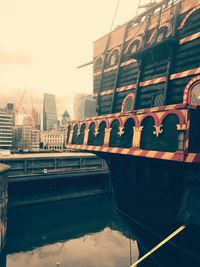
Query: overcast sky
point(43, 41)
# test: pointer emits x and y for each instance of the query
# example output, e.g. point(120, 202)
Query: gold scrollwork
point(121, 131)
point(158, 130)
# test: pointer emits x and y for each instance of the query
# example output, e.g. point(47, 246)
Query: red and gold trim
point(189, 38)
point(176, 156)
point(153, 81)
point(126, 88)
point(128, 62)
point(188, 15)
point(186, 96)
point(185, 73)
point(174, 76)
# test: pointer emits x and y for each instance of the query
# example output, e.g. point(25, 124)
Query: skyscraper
point(65, 117)
point(84, 106)
point(50, 119)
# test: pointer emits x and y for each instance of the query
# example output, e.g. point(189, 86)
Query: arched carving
point(106, 122)
point(75, 134)
point(99, 140)
point(117, 119)
point(188, 88)
point(128, 128)
point(188, 15)
point(154, 116)
point(69, 128)
point(98, 62)
point(132, 97)
point(91, 136)
point(91, 122)
point(137, 40)
point(116, 50)
point(168, 140)
point(146, 129)
point(132, 117)
point(81, 134)
point(74, 125)
point(114, 136)
point(178, 113)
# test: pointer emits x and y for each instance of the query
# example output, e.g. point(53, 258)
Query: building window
point(128, 103)
point(195, 94)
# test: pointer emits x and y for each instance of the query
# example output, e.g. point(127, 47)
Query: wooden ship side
point(147, 127)
point(144, 72)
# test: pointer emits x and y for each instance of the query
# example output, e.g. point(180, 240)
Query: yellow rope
point(181, 228)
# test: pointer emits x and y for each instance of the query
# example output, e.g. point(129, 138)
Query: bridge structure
point(43, 177)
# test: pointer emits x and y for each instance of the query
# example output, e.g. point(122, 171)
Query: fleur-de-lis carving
point(158, 130)
point(96, 131)
point(121, 131)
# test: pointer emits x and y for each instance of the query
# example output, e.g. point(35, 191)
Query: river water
point(79, 232)
point(85, 232)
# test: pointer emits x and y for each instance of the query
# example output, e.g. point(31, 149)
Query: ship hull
point(150, 193)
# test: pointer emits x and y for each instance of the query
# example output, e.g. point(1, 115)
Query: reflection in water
point(80, 232)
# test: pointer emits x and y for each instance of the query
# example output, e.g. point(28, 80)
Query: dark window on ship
point(162, 32)
point(195, 94)
point(98, 64)
point(134, 47)
point(157, 100)
point(128, 103)
point(113, 59)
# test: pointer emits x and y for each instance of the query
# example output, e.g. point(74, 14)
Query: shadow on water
point(79, 232)
point(82, 232)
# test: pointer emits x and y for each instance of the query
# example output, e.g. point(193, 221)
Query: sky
point(43, 41)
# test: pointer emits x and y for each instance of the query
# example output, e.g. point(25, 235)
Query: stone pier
point(3, 204)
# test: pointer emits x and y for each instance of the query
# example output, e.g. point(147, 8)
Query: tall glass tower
point(50, 119)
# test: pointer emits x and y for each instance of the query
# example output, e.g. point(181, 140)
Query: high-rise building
point(84, 106)
point(38, 121)
point(10, 110)
point(65, 117)
point(50, 118)
point(5, 130)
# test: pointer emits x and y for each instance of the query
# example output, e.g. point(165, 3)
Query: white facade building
point(52, 140)
point(5, 130)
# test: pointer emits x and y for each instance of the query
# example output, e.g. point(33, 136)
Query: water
point(80, 232)
point(87, 232)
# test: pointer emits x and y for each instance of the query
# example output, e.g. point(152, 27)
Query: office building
point(50, 118)
point(65, 118)
point(5, 130)
point(25, 138)
point(84, 106)
point(10, 110)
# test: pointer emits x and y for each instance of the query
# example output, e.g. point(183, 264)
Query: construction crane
point(16, 108)
point(33, 115)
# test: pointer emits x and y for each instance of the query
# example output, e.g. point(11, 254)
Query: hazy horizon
point(43, 42)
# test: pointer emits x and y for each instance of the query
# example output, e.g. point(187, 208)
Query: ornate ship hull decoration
point(147, 87)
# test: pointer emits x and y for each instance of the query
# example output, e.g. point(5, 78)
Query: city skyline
point(42, 54)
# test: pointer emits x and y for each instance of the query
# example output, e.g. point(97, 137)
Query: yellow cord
point(181, 228)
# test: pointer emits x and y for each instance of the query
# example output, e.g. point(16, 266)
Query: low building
point(52, 140)
point(5, 130)
point(26, 138)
